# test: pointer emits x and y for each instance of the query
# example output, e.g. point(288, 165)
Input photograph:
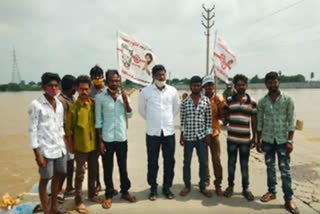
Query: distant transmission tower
point(16, 77)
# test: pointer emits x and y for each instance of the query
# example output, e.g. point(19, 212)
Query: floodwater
point(18, 167)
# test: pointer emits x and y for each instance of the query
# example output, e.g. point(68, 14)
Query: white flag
point(224, 59)
point(135, 59)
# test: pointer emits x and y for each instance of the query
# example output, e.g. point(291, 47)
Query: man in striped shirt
point(241, 110)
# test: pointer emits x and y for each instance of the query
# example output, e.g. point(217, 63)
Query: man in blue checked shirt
point(195, 119)
point(110, 109)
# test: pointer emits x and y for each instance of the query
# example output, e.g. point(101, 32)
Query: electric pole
point(207, 23)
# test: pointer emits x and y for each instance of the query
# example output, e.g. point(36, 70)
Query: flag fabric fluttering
point(135, 59)
point(224, 59)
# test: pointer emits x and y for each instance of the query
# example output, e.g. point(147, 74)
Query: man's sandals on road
point(81, 208)
point(106, 204)
point(206, 193)
point(268, 197)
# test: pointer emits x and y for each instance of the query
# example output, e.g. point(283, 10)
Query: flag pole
point(215, 74)
point(121, 87)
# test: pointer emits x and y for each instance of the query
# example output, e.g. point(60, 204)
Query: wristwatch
point(290, 141)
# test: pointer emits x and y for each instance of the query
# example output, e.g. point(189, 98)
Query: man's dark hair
point(272, 75)
point(150, 56)
point(96, 71)
point(83, 79)
point(48, 76)
point(241, 77)
point(113, 72)
point(195, 79)
point(158, 68)
point(67, 82)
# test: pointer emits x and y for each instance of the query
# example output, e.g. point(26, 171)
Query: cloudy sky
point(70, 37)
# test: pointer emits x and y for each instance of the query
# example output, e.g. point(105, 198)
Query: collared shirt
point(45, 128)
point(195, 121)
point(276, 119)
point(93, 91)
point(66, 102)
point(239, 118)
point(217, 104)
point(158, 108)
point(80, 125)
point(109, 114)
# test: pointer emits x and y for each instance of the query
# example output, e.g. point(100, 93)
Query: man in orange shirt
point(216, 103)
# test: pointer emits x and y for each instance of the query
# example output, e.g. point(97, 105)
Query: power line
point(277, 11)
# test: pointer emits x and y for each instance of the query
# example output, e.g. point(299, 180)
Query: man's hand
point(252, 143)
point(41, 161)
point(207, 140)
point(184, 96)
point(101, 148)
point(124, 95)
point(288, 147)
point(259, 148)
point(181, 141)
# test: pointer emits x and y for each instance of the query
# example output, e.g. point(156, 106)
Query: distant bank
point(262, 86)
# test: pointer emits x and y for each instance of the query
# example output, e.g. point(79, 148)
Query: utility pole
point(208, 23)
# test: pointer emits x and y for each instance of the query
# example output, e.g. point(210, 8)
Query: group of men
point(95, 124)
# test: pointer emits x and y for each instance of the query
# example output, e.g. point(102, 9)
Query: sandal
point(129, 198)
point(37, 209)
point(153, 195)
point(69, 191)
point(206, 193)
point(248, 195)
point(184, 191)
point(95, 199)
point(60, 198)
point(82, 209)
point(169, 195)
point(219, 192)
point(291, 207)
point(106, 204)
point(228, 192)
point(60, 211)
point(268, 197)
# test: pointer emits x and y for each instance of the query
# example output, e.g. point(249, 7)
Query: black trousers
point(167, 143)
point(121, 149)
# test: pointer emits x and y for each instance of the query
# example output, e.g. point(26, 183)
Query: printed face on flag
point(224, 59)
point(135, 59)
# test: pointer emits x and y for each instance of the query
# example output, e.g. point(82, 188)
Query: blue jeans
point(244, 153)
point(201, 149)
point(153, 149)
point(284, 165)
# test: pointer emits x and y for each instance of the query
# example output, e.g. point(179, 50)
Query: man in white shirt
point(46, 135)
point(158, 105)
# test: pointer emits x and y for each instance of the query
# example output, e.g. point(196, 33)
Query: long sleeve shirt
point(275, 120)
point(45, 128)
point(158, 108)
point(80, 125)
point(109, 115)
point(195, 121)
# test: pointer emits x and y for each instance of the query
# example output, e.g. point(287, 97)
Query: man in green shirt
point(275, 127)
point(80, 134)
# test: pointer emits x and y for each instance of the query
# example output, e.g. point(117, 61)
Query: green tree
point(311, 75)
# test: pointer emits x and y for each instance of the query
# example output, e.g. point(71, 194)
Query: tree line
point(33, 86)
